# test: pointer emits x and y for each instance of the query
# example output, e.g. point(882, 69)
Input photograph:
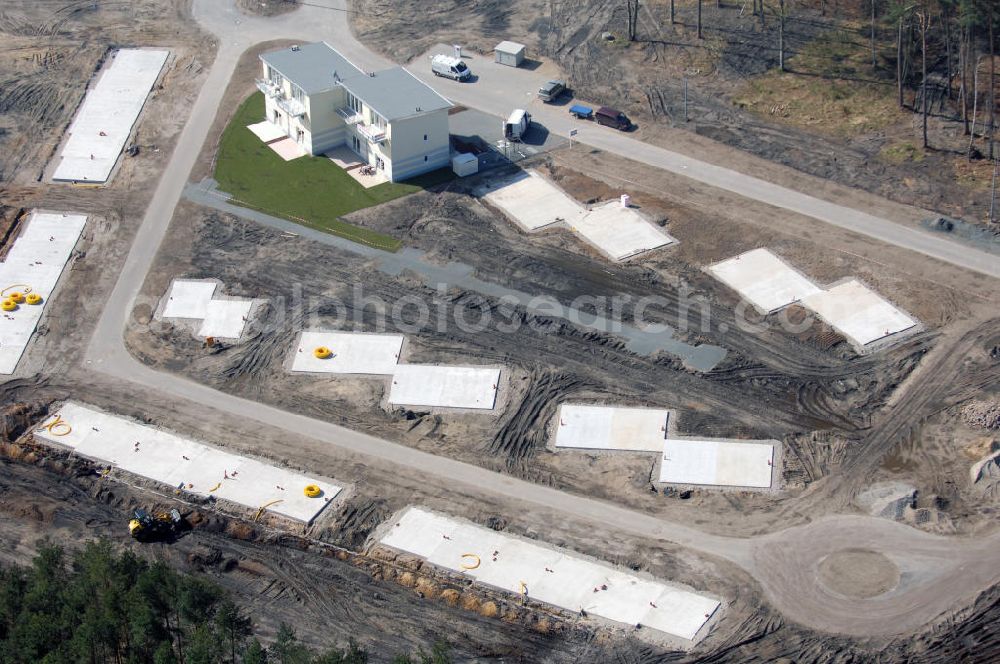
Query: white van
point(450, 67)
point(516, 125)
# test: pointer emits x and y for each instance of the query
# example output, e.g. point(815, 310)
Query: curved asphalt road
point(938, 573)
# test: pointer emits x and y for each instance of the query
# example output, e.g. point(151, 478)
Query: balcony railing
point(373, 134)
point(269, 88)
point(350, 115)
point(293, 107)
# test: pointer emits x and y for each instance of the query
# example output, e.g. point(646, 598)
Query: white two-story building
point(392, 120)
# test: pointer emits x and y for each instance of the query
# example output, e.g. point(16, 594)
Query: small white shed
point(509, 53)
point(464, 164)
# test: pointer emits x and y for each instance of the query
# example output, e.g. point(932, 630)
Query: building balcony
point(373, 134)
point(293, 107)
point(350, 116)
point(269, 88)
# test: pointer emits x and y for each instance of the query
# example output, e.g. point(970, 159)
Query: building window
point(273, 75)
point(425, 137)
point(353, 103)
point(378, 121)
point(297, 94)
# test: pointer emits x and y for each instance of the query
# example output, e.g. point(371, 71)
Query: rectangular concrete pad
point(353, 353)
point(764, 280)
point(533, 201)
point(717, 463)
point(267, 131)
point(189, 299)
point(611, 428)
point(36, 261)
point(287, 149)
point(175, 461)
point(225, 319)
point(620, 232)
point(111, 107)
point(858, 313)
point(444, 387)
point(548, 574)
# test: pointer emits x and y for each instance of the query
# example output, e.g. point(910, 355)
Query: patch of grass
point(901, 153)
point(825, 90)
point(312, 191)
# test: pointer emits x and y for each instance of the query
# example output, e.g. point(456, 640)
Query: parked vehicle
point(582, 112)
point(551, 90)
point(450, 67)
point(612, 117)
point(516, 126)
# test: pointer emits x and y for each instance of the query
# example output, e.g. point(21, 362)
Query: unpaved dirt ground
point(869, 144)
point(391, 604)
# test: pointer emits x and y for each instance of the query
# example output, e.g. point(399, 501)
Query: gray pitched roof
point(312, 66)
point(393, 93)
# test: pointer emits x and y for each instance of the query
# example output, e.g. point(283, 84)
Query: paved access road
point(939, 573)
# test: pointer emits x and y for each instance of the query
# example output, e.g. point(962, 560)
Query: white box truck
point(450, 67)
point(516, 125)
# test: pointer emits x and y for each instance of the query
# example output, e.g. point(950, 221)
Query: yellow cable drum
point(17, 296)
point(322, 352)
point(312, 491)
point(8, 305)
point(33, 298)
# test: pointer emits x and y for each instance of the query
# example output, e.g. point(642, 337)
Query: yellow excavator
point(146, 527)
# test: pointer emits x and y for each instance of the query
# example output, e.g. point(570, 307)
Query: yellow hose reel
point(17, 296)
point(8, 305)
point(312, 491)
point(322, 352)
point(33, 298)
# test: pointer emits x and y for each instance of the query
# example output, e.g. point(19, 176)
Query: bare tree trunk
point(874, 64)
point(993, 76)
point(993, 193)
point(962, 94)
point(946, 19)
point(925, 20)
point(699, 20)
point(781, 35)
point(899, 62)
point(975, 106)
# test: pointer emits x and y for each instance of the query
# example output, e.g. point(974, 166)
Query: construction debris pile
point(985, 414)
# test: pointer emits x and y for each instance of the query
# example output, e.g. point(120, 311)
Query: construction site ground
point(846, 421)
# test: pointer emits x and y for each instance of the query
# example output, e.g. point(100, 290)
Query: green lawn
point(312, 191)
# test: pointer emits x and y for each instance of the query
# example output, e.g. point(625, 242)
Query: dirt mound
point(858, 573)
point(267, 7)
point(985, 414)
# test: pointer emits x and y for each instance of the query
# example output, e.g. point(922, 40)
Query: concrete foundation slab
point(718, 463)
point(225, 319)
point(858, 313)
point(551, 575)
point(764, 280)
point(620, 232)
point(267, 131)
point(353, 353)
point(444, 387)
point(189, 299)
point(532, 201)
point(611, 428)
point(185, 464)
point(34, 265)
point(105, 119)
point(287, 149)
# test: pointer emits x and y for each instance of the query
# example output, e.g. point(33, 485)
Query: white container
point(465, 164)
point(626, 201)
